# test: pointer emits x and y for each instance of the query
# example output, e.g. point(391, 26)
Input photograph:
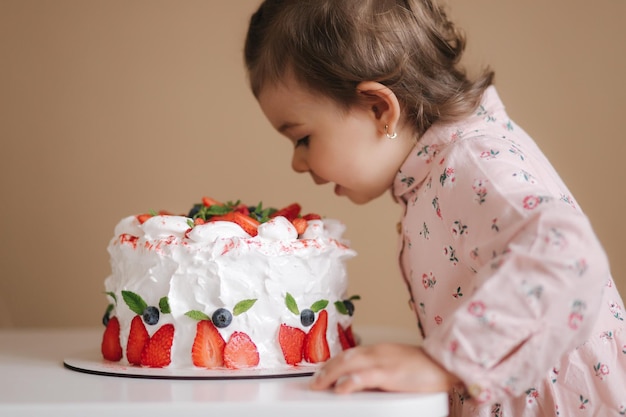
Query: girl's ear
point(382, 102)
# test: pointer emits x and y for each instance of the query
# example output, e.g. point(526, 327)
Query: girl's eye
point(303, 141)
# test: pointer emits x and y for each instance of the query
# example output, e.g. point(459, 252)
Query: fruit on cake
point(228, 286)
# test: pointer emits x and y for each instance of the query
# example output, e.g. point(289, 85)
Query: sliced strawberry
point(143, 217)
point(208, 202)
point(157, 352)
point(343, 339)
point(350, 336)
point(248, 224)
point(242, 208)
point(300, 224)
point(208, 346)
point(240, 352)
point(291, 341)
point(198, 220)
point(137, 340)
point(311, 216)
point(165, 213)
point(111, 347)
point(290, 212)
point(346, 338)
point(315, 344)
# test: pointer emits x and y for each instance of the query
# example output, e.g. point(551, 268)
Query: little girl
point(510, 286)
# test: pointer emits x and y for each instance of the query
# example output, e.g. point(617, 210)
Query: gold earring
point(390, 135)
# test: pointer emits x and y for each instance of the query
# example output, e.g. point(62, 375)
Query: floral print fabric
point(511, 288)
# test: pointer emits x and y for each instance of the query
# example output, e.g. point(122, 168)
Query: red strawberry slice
point(291, 341)
point(137, 339)
point(208, 346)
point(315, 344)
point(240, 352)
point(111, 347)
point(290, 212)
point(300, 224)
point(346, 338)
point(242, 208)
point(208, 202)
point(157, 352)
point(350, 336)
point(143, 217)
point(312, 216)
point(247, 223)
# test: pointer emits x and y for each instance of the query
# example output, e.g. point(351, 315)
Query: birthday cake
point(227, 286)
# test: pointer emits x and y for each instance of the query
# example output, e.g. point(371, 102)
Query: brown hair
point(332, 45)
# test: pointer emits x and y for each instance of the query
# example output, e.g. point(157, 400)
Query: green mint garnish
point(112, 295)
point(197, 315)
point(243, 306)
point(341, 308)
point(136, 304)
point(319, 305)
point(164, 305)
point(291, 304)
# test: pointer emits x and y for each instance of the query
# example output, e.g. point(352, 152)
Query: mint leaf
point(341, 308)
point(190, 223)
point(217, 210)
point(110, 308)
point(197, 315)
point(153, 212)
point(112, 295)
point(319, 305)
point(164, 305)
point(243, 306)
point(291, 304)
point(355, 297)
point(136, 304)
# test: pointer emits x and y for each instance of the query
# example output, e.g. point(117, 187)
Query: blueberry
point(194, 210)
point(349, 306)
point(222, 318)
point(151, 315)
point(106, 317)
point(307, 317)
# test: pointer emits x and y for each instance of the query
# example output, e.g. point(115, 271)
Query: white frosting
point(217, 265)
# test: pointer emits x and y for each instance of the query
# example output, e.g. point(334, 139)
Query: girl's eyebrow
point(287, 126)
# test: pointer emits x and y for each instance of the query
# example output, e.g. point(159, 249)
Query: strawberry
point(290, 212)
point(143, 217)
point(157, 352)
point(315, 344)
point(248, 224)
point(208, 202)
point(111, 347)
point(311, 216)
point(198, 221)
point(350, 336)
point(137, 339)
point(240, 352)
point(208, 346)
point(345, 337)
point(291, 341)
point(300, 224)
point(242, 208)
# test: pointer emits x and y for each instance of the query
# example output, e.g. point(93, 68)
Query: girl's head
point(330, 46)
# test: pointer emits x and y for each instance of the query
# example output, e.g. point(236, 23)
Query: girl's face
point(347, 148)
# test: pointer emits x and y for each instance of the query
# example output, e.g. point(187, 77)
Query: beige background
point(110, 108)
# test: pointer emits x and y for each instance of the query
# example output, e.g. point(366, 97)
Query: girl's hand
point(388, 367)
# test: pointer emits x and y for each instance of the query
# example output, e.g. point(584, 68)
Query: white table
point(33, 381)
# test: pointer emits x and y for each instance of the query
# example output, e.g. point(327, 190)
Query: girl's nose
point(298, 160)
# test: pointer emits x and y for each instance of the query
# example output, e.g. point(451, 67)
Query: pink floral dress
point(511, 288)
